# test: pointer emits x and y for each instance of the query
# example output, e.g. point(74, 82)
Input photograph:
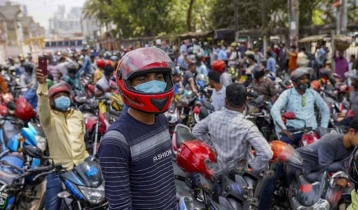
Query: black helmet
point(258, 71)
point(324, 72)
point(72, 67)
point(353, 167)
point(28, 66)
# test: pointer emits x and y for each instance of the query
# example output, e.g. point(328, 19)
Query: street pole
point(236, 20)
point(293, 17)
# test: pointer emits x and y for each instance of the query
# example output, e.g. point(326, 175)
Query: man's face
point(354, 82)
point(353, 137)
point(147, 78)
point(72, 75)
point(303, 80)
point(193, 68)
point(211, 83)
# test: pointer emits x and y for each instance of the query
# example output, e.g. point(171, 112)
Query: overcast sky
point(43, 10)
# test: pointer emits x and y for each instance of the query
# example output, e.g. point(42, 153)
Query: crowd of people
point(135, 153)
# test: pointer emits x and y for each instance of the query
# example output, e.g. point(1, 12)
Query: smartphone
point(43, 64)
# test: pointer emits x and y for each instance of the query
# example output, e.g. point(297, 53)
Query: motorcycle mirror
point(32, 151)
point(289, 115)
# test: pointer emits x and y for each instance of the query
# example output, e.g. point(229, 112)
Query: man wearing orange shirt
point(292, 63)
point(3, 85)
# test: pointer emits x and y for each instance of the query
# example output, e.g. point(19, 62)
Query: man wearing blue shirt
point(321, 56)
point(222, 54)
point(271, 64)
point(301, 101)
point(87, 64)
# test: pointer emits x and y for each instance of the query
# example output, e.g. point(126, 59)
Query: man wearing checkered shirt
point(231, 135)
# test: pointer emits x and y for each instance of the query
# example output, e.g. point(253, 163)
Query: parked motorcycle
point(83, 185)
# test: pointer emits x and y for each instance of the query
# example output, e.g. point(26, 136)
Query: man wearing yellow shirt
point(64, 130)
point(99, 72)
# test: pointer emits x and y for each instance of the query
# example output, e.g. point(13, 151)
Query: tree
point(189, 15)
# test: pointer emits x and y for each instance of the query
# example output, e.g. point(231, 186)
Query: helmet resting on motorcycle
point(219, 66)
point(141, 62)
point(24, 110)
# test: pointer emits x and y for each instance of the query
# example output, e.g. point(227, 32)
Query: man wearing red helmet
point(225, 78)
point(135, 153)
point(99, 71)
point(64, 130)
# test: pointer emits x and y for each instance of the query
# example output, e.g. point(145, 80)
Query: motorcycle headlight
point(41, 143)
point(319, 205)
point(93, 195)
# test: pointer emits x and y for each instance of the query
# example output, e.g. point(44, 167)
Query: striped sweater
point(136, 164)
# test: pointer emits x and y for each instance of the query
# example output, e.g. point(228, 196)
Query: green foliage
point(152, 17)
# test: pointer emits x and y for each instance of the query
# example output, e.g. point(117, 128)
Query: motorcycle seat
point(7, 177)
point(183, 134)
point(203, 113)
point(208, 105)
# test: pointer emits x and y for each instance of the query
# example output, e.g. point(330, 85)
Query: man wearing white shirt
point(218, 97)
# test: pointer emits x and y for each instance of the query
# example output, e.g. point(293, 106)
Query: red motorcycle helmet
point(59, 88)
point(140, 62)
point(3, 110)
point(219, 66)
point(108, 63)
point(7, 97)
point(24, 110)
point(100, 63)
point(193, 155)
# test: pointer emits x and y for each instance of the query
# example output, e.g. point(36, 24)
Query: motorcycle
point(173, 117)
point(96, 125)
point(18, 187)
point(83, 185)
point(322, 194)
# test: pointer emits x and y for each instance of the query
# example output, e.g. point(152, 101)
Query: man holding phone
point(64, 129)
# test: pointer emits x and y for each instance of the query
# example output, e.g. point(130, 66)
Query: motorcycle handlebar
point(41, 169)
point(293, 130)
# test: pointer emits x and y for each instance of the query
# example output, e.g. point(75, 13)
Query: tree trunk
point(190, 16)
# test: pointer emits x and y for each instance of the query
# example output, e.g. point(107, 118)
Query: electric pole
point(293, 18)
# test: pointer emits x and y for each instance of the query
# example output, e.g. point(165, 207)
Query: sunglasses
point(303, 103)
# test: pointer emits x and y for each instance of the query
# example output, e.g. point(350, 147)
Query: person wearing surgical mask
point(138, 143)
point(300, 100)
point(64, 129)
